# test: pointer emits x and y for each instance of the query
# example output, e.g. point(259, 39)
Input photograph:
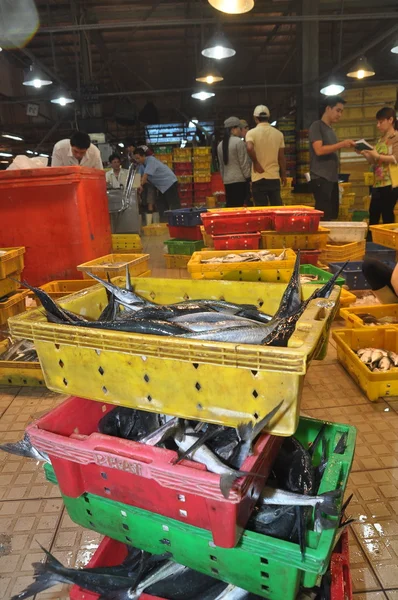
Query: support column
point(309, 101)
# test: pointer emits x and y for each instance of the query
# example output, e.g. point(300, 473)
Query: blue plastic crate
point(185, 217)
point(352, 273)
point(379, 252)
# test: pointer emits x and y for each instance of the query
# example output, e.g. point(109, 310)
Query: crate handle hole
point(25, 381)
point(104, 476)
point(165, 542)
point(10, 381)
point(198, 386)
point(89, 512)
point(104, 389)
point(57, 346)
point(146, 378)
point(265, 588)
point(181, 497)
point(264, 561)
point(101, 371)
point(255, 393)
point(254, 373)
point(61, 363)
point(128, 539)
point(65, 382)
point(265, 574)
point(214, 570)
point(195, 365)
point(107, 490)
point(92, 524)
point(149, 398)
point(212, 557)
point(87, 499)
point(126, 527)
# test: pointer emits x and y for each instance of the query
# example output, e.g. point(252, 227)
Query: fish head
point(124, 296)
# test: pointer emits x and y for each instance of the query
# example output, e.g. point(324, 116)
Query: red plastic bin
point(109, 553)
point(341, 585)
point(297, 221)
point(310, 257)
point(59, 214)
point(145, 476)
point(247, 241)
point(202, 189)
point(240, 221)
point(183, 168)
point(185, 233)
point(185, 187)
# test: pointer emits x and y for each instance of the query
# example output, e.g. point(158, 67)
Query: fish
point(143, 326)
point(111, 309)
point(165, 431)
point(211, 432)
point(210, 317)
point(24, 448)
point(275, 521)
point(50, 306)
point(320, 522)
point(393, 358)
point(128, 423)
point(23, 350)
point(327, 501)
point(293, 467)
point(251, 334)
point(125, 297)
point(291, 299)
point(186, 585)
point(384, 364)
point(205, 326)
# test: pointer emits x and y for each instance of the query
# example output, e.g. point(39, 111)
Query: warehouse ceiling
point(138, 52)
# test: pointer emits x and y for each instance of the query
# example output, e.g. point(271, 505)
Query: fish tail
point(245, 431)
point(21, 448)
point(325, 291)
point(227, 481)
point(129, 287)
point(264, 422)
point(317, 440)
point(329, 502)
point(301, 529)
point(346, 503)
point(46, 576)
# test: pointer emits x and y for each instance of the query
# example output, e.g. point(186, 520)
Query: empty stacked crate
point(236, 229)
point(12, 301)
point(184, 229)
point(183, 169)
point(202, 175)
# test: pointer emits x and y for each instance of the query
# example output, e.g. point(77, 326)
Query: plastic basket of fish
point(370, 355)
point(12, 305)
point(238, 221)
point(260, 563)
point(243, 265)
point(299, 241)
point(310, 257)
point(352, 273)
point(19, 365)
point(155, 229)
point(124, 242)
point(147, 477)
point(311, 274)
point(238, 241)
point(11, 261)
point(109, 553)
point(345, 233)
point(386, 235)
point(377, 315)
point(223, 382)
point(297, 221)
point(176, 261)
point(183, 246)
point(341, 252)
point(8, 286)
point(347, 298)
point(185, 217)
point(115, 264)
point(380, 252)
point(341, 583)
point(191, 234)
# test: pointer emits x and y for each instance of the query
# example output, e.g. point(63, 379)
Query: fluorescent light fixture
point(121, 145)
point(35, 78)
point(394, 49)
point(1, 49)
point(218, 47)
point(183, 143)
point(333, 89)
point(273, 123)
point(209, 75)
point(202, 95)
point(29, 152)
point(45, 155)
point(361, 69)
point(6, 154)
point(10, 136)
point(232, 7)
point(4, 161)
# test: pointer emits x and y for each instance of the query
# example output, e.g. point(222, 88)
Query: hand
point(371, 155)
point(347, 144)
point(284, 181)
point(258, 168)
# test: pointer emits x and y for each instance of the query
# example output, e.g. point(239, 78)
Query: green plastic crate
point(185, 247)
point(163, 149)
point(360, 215)
point(263, 565)
point(324, 276)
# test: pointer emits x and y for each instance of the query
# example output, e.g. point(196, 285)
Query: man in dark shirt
point(324, 159)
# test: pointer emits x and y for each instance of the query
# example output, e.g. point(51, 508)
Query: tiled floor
point(31, 510)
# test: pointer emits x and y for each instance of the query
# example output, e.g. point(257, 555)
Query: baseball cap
point(243, 123)
point(232, 122)
point(261, 110)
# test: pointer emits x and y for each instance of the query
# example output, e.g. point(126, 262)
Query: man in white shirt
point(77, 151)
point(116, 178)
point(265, 146)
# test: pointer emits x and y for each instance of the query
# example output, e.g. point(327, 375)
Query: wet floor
point(31, 511)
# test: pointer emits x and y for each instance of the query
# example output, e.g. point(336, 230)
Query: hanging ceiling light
point(209, 74)
point(361, 69)
point(36, 78)
point(218, 47)
point(394, 49)
point(232, 7)
point(202, 93)
point(11, 136)
point(62, 98)
point(332, 89)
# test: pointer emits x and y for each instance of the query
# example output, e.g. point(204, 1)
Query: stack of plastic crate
point(186, 237)
point(183, 169)
point(201, 175)
point(12, 300)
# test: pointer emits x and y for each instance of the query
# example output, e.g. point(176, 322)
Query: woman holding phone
point(384, 154)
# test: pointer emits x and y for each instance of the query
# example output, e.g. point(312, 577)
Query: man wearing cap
point(265, 146)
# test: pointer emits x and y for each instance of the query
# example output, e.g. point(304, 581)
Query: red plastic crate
point(297, 221)
point(183, 168)
point(240, 221)
point(187, 203)
point(310, 257)
point(109, 553)
point(144, 476)
point(185, 233)
point(203, 189)
point(185, 187)
point(185, 195)
point(246, 241)
point(341, 586)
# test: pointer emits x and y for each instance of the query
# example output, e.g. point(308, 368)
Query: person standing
point(324, 158)
point(265, 146)
point(116, 178)
point(385, 154)
point(77, 151)
point(161, 177)
point(234, 164)
point(244, 128)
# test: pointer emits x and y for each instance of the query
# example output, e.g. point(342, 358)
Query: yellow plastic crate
point(244, 271)
point(353, 320)
point(347, 298)
point(202, 162)
point(115, 264)
point(155, 229)
point(202, 177)
point(386, 235)
point(12, 261)
point(342, 252)
point(216, 382)
point(374, 385)
point(297, 241)
point(347, 199)
point(176, 261)
point(65, 287)
point(182, 154)
point(369, 178)
point(211, 202)
point(7, 286)
point(207, 238)
point(184, 178)
point(13, 306)
point(202, 151)
point(19, 373)
point(126, 241)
